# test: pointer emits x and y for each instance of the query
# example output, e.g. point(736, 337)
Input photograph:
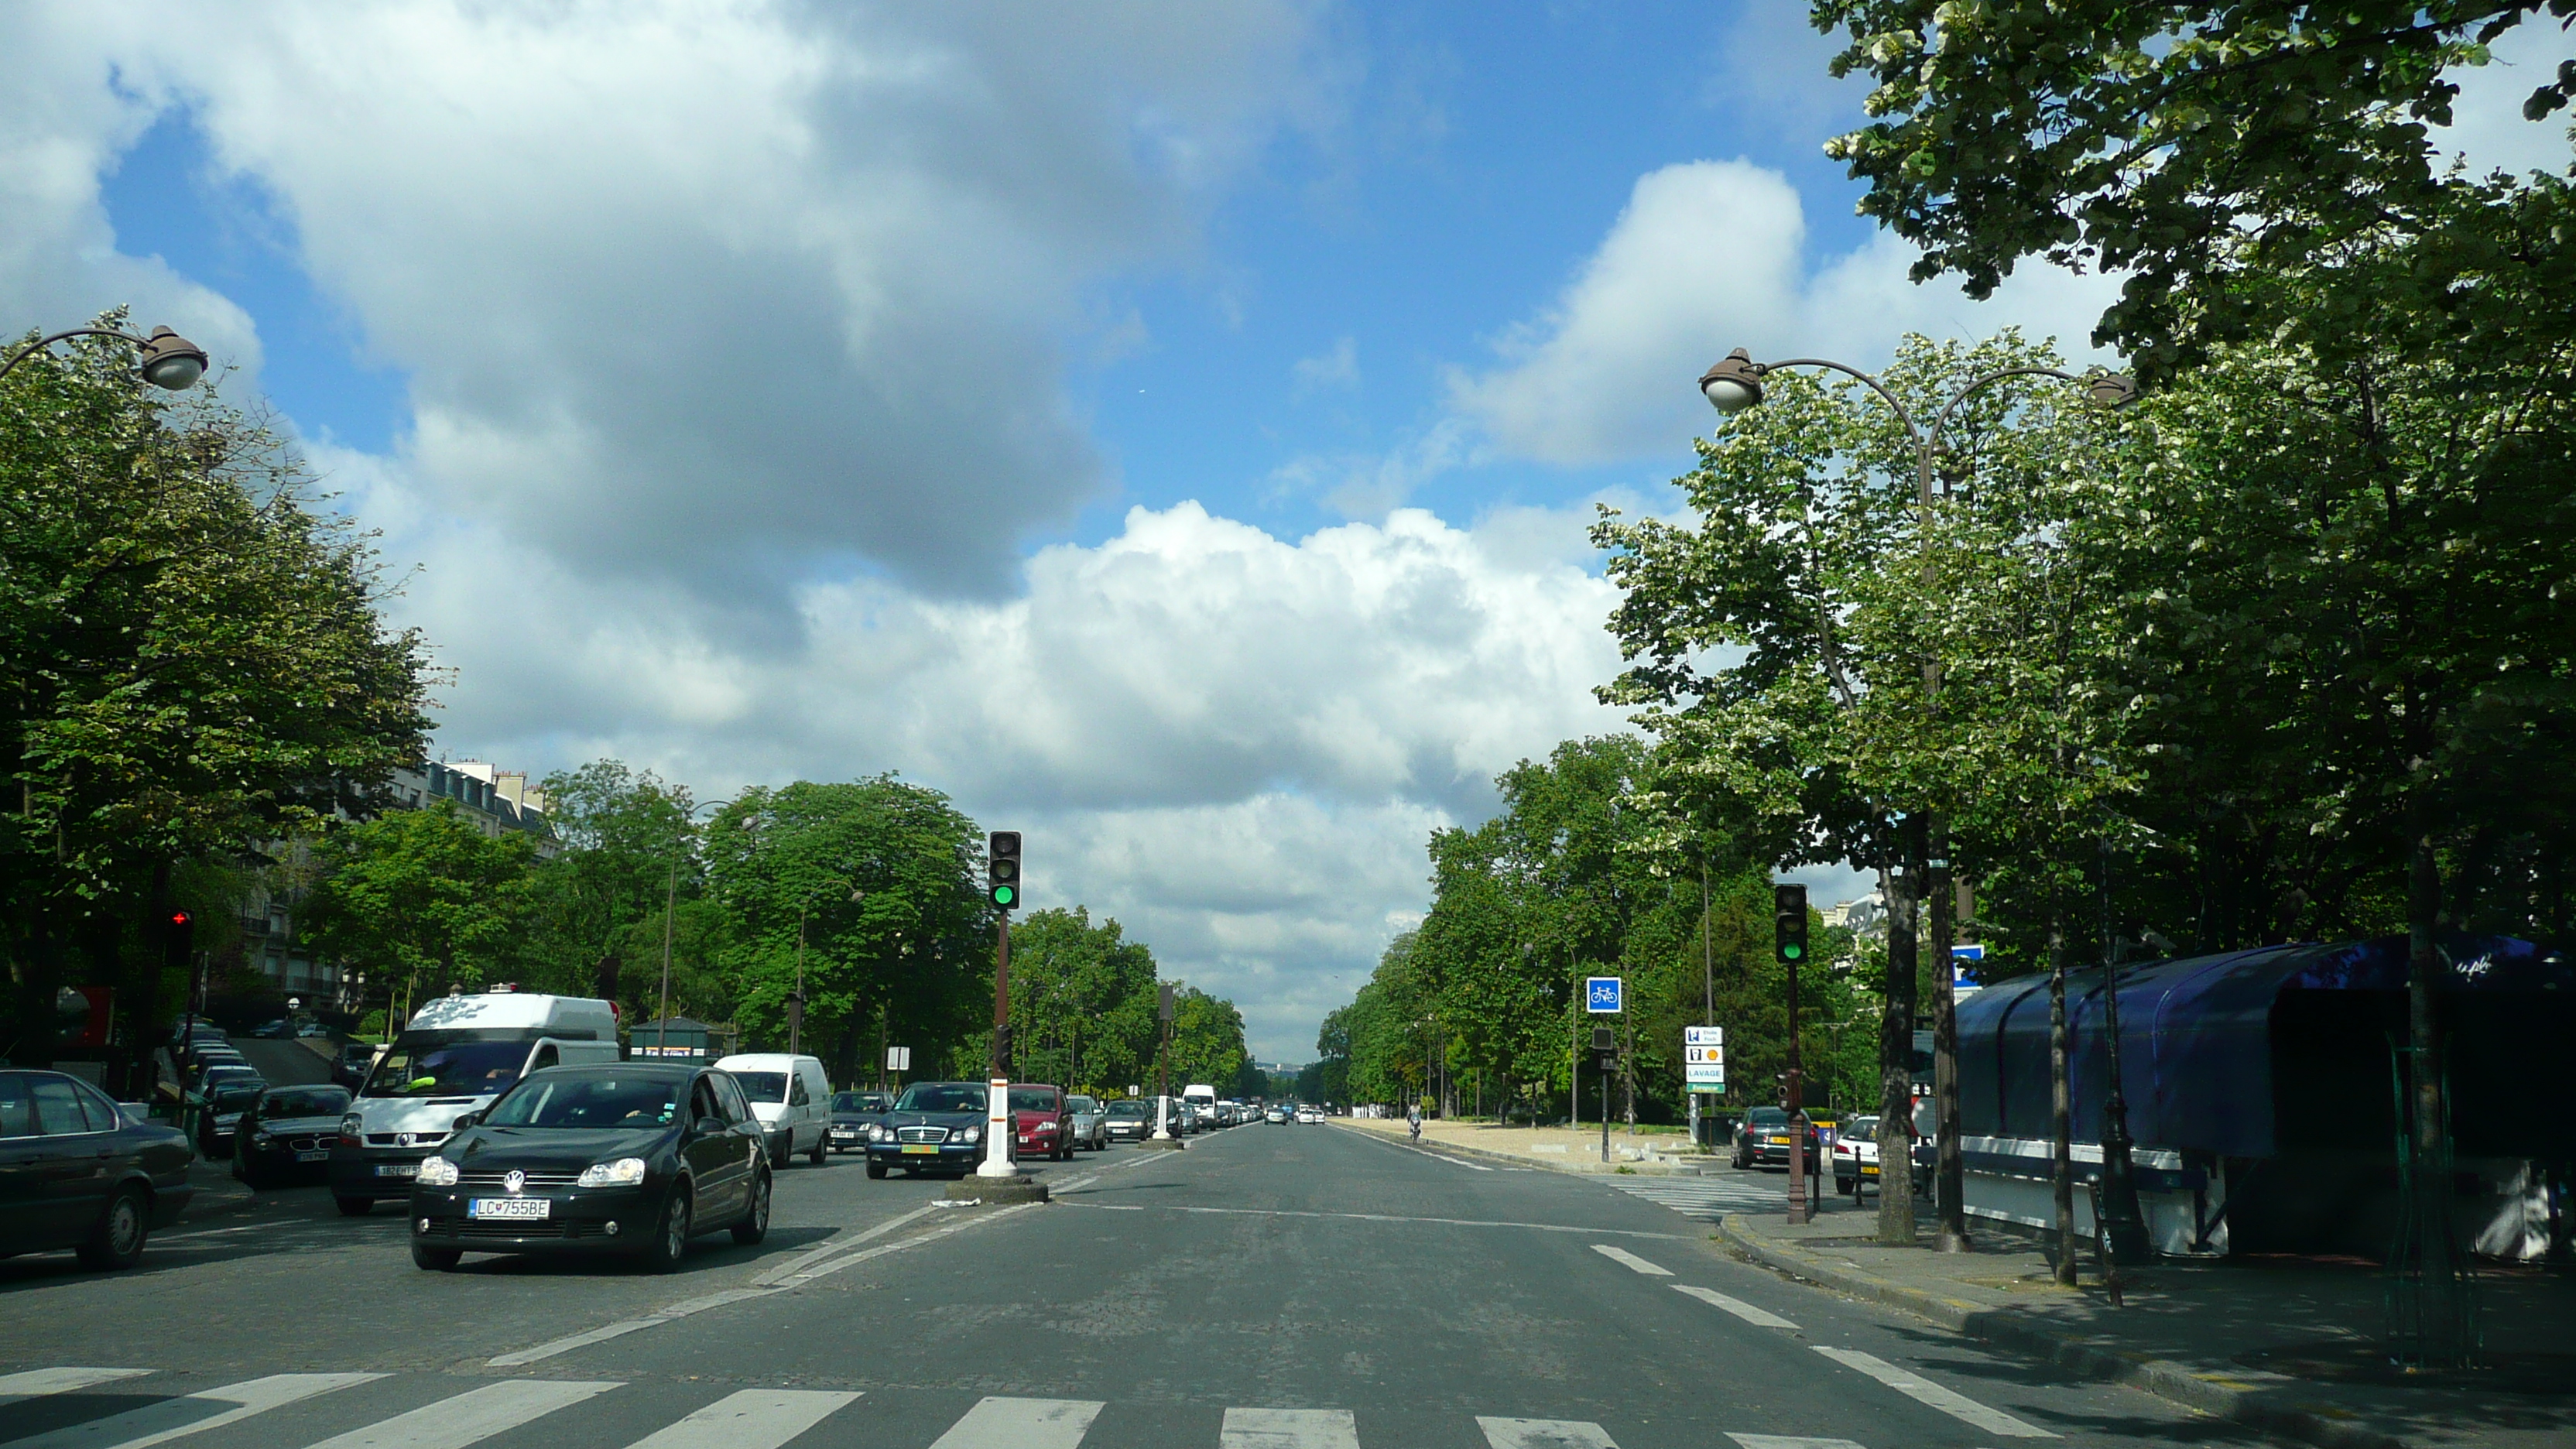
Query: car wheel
point(822, 1149)
point(876, 1169)
point(671, 1235)
point(354, 1207)
point(435, 1260)
point(778, 1153)
point(117, 1241)
point(755, 1218)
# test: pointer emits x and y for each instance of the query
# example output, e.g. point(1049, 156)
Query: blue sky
point(1169, 430)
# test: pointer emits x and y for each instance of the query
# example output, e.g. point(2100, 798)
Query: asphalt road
point(1270, 1288)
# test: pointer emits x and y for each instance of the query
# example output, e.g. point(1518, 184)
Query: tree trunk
point(2433, 1328)
point(1949, 1171)
point(2061, 1099)
point(1896, 1065)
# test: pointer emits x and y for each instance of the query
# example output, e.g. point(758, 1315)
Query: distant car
point(286, 1135)
point(934, 1127)
point(109, 1178)
point(1309, 1116)
point(214, 1079)
point(219, 1117)
point(1087, 1123)
point(1129, 1119)
point(621, 1157)
point(349, 1069)
point(853, 1113)
point(1274, 1113)
point(1040, 1125)
point(794, 1101)
point(312, 1029)
point(272, 1030)
point(1855, 1155)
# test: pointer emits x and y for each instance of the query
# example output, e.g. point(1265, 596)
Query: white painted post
point(997, 1131)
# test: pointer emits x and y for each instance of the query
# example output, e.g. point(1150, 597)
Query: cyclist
point(1413, 1120)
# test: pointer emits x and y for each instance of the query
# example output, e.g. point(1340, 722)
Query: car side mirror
point(464, 1121)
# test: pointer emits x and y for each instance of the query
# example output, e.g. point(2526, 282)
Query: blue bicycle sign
point(1601, 995)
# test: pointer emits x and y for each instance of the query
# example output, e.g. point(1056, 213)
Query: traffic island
point(997, 1191)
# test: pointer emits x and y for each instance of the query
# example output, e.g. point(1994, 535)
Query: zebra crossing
point(330, 1413)
point(1707, 1198)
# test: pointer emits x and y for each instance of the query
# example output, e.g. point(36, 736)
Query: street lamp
point(670, 907)
point(1733, 385)
point(170, 362)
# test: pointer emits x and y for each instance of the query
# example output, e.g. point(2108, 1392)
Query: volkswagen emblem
point(514, 1179)
point(402, 1139)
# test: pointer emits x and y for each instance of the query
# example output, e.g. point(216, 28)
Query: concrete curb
point(1515, 1159)
point(2217, 1397)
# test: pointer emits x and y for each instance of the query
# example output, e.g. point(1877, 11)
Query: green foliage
point(624, 840)
point(1083, 1003)
point(1207, 1041)
point(423, 898)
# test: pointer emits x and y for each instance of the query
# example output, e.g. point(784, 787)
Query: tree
point(422, 897)
point(2197, 150)
point(1084, 1002)
point(1207, 1039)
point(191, 661)
point(625, 837)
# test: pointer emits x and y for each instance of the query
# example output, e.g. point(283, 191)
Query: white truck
point(455, 1055)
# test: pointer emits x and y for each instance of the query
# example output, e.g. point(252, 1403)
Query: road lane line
point(1390, 1218)
point(751, 1419)
point(796, 1264)
point(1790, 1441)
point(37, 1383)
point(1758, 1317)
point(470, 1417)
point(1631, 1260)
point(567, 1344)
point(192, 1413)
point(1021, 1424)
point(1544, 1434)
point(1924, 1391)
point(881, 1249)
point(1289, 1429)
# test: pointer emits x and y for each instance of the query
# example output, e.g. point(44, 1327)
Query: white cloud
point(1709, 256)
point(1338, 367)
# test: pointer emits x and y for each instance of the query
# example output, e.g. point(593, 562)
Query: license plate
point(397, 1169)
point(921, 1149)
point(515, 1208)
point(1870, 1171)
point(316, 1156)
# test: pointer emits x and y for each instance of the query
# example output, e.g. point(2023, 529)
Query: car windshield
point(304, 1102)
point(762, 1086)
point(941, 1097)
point(1129, 1108)
point(447, 1069)
point(579, 1099)
point(234, 1099)
point(1033, 1099)
point(1767, 1117)
point(1080, 1104)
point(858, 1101)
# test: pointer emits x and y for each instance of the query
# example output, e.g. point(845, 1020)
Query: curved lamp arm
point(170, 361)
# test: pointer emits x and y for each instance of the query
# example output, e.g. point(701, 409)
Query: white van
point(456, 1054)
point(1202, 1100)
point(792, 1099)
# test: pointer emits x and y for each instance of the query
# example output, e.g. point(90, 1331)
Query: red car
point(1040, 1123)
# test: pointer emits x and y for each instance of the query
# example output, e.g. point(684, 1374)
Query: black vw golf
point(634, 1157)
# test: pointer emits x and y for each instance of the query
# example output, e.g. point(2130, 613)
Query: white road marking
point(1115, 1207)
point(794, 1265)
point(1021, 1424)
point(1543, 1434)
point(177, 1418)
point(37, 1383)
point(1631, 1260)
point(568, 1343)
point(1758, 1317)
point(470, 1417)
point(1790, 1441)
point(752, 1419)
point(1289, 1429)
point(1398, 1218)
point(1924, 1391)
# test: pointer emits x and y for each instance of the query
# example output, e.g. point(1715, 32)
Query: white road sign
point(1704, 1058)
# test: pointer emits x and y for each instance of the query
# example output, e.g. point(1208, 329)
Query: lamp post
point(1733, 385)
point(170, 362)
point(670, 907)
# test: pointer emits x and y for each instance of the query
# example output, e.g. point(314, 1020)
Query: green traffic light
point(1793, 950)
point(1004, 896)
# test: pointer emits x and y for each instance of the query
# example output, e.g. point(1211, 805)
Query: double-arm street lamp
point(1732, 386)
point(170, 361)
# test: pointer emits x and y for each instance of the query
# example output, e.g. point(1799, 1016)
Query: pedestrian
point(1413, 1120)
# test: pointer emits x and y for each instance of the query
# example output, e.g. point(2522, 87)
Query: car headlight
point(624, 1172)
point(1046, 1127)
point(876, 1132)
point(260, 1138)
point(436, 1172)
point(970, 1134)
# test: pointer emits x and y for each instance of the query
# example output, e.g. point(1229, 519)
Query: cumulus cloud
point(1709, 256)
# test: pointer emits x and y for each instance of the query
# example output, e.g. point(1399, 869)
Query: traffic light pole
point(1797, 1108)
point(997, 1096)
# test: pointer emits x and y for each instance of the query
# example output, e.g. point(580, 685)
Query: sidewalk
point(2283, 1345)
point(1563, 1149)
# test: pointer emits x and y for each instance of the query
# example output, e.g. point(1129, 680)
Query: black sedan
point(77, 1172)
point(934, 1127)
point(632, 1157)
point(853, 1113)
point(286, 1135)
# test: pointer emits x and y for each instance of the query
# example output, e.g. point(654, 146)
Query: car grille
point(470, 1229)
point(394, 1139)
point(921, 1134)
point(534, 1179)
point(307, 1142)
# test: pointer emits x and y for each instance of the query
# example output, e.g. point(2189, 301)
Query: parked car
point(79, 1172)
point(1762, 1139)
point(793, 1099)
point(934, 1127)
point(277, 1030)
point(1088, 1122)
point(1129, 1119)
point(853, 1113)
point(619, 1157)
point(1039, 1124)
point(349, 1069)
point(287, 1134)
point(1855, 1155)
point(219, 1116)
